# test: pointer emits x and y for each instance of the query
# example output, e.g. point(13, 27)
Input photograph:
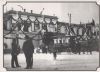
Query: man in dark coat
point(28, 49)
point(90, 45)
point(78, 47)
point(14, 53)
point(54, 50)
point(72, 44)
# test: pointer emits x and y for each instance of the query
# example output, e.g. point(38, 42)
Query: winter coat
point(28, 47)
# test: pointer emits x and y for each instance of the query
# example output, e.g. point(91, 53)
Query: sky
point(83, 12)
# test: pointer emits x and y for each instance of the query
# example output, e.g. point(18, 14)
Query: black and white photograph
point(51, 36)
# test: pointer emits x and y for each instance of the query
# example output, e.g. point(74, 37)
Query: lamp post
point(69, 15)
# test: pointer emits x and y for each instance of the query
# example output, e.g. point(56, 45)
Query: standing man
point(14, 53)
point(28, 49)
point(54, 55)
point(72, 44)
point(90, 45)
point(54, 50)
point(78, 47)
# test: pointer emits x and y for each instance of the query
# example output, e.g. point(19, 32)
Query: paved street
point(64, 61)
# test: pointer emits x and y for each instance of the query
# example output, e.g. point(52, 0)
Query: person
point(54, 51)
point(89, 47)
point(78, 47)
point(14, 53)
point(54, 55)
point(72, 44)
point(42, 46)
point(61, 46)
point(28, 49)
point(19, 26)
point(26, 26)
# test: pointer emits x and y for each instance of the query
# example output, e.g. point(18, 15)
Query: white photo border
point(3, 2)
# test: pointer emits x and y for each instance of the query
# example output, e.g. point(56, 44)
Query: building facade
point(24, 23)
point(35, 25)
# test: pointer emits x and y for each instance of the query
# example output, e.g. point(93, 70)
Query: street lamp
point(69, 15)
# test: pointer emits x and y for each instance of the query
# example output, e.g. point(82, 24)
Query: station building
point(25, 23)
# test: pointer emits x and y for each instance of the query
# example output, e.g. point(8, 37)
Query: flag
point(93, 22)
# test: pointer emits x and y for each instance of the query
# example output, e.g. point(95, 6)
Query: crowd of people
point(78, 47)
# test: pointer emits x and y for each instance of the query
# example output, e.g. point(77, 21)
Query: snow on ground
point(64, 61)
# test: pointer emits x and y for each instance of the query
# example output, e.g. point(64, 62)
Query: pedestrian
point(54, 55)
point(28, 49)
point(54, 51)
point(90, 45)
point(26, 26)
point(72, 44)
point(78, 47)
point(14, 53)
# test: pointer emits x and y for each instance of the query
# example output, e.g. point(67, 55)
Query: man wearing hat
point(14, 53)
point(28, 49)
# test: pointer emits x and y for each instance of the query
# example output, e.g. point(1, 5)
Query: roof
point(63, 23)
point(29, 14)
